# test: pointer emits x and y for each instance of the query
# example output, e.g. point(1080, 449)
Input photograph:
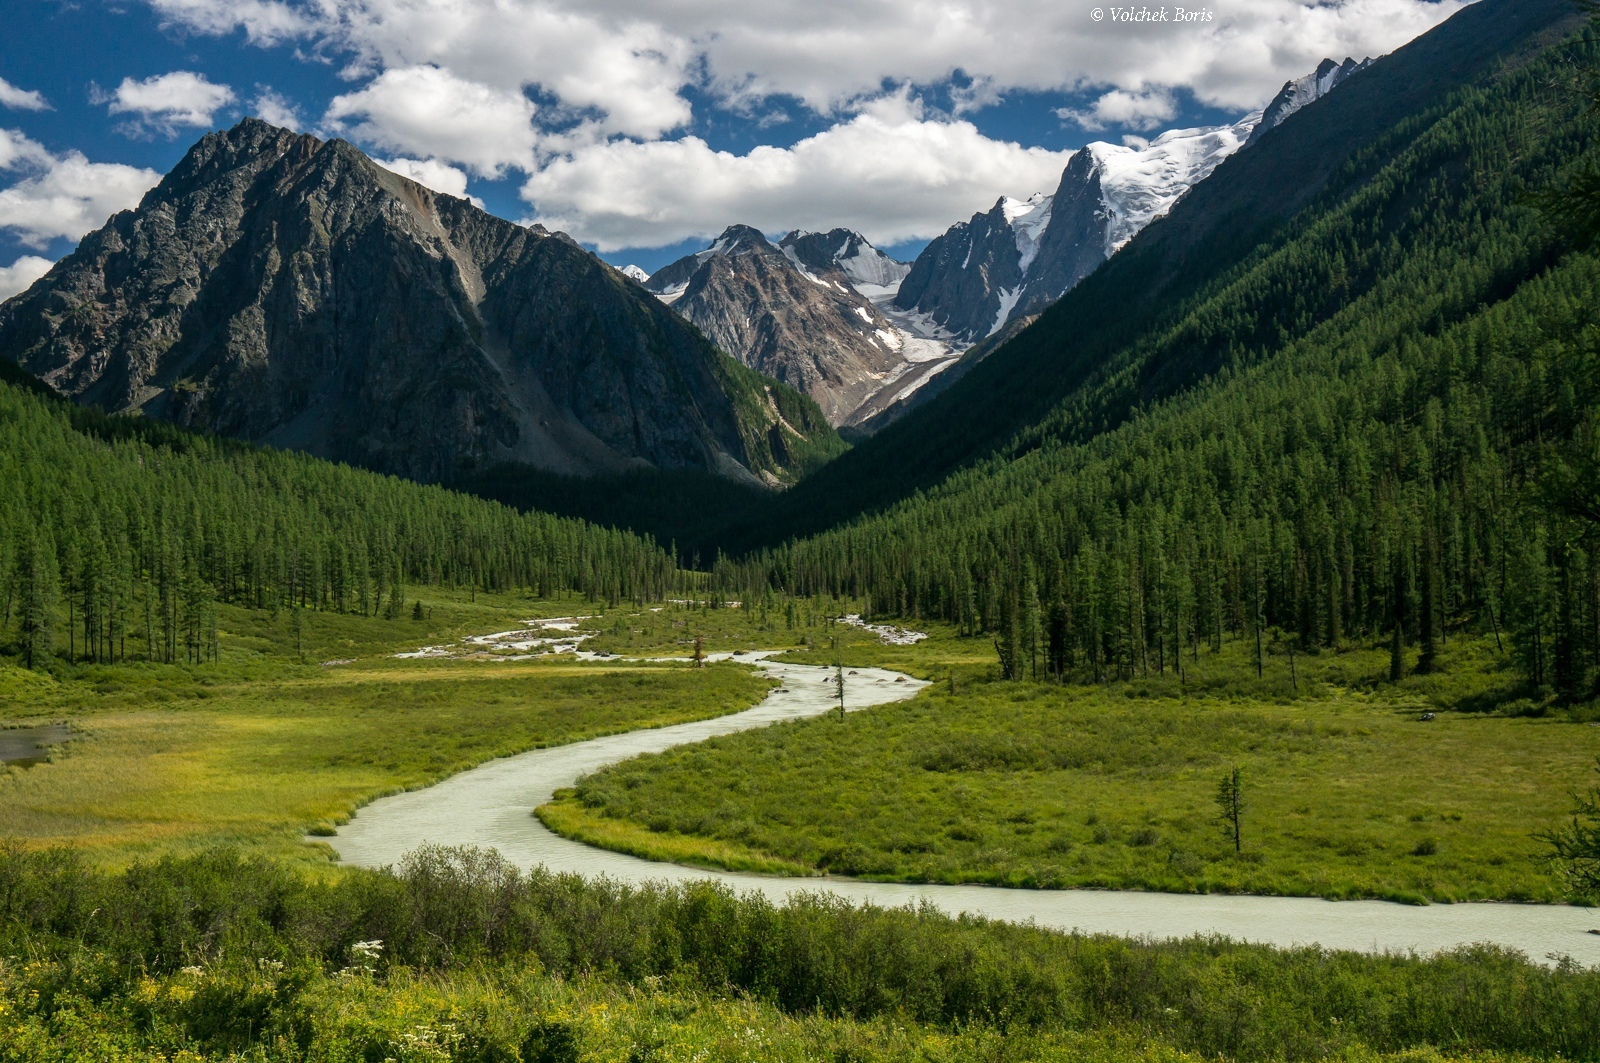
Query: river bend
point(491, 806)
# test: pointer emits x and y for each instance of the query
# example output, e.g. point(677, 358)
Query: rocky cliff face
point(958, 280)
point(287, 290)
point(792, 311)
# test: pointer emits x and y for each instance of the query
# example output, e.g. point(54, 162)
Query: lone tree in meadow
point(838, 668)
point(1230, 805)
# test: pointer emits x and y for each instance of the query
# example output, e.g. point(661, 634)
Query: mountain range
point(863, 334)
point(290, 291)
point(1117, 332)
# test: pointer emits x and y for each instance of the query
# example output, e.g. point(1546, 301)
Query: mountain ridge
point(288, 290)
point(809, 310)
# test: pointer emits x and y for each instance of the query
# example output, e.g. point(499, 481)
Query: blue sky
point(641, 128)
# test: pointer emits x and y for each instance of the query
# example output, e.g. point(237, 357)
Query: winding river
point(492, 806)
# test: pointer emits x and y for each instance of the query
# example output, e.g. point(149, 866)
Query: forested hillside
point(128, 531)
point(1254, 203)
point(1390, 429)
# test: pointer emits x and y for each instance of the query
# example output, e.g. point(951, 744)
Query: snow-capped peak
point(862, 264)
point(635, 273)
point(1028, 219)
point(1141, 184)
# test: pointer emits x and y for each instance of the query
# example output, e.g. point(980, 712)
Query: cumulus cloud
point(263, 21)
point(20, 274)
point(167, 102)
point(630, 60)
point(431, 173)
point(271, 107)
point(62, 195)
point(455, 80)
point(427, 110)
point(1136, 110)
point(21, 99)
point(890, 173)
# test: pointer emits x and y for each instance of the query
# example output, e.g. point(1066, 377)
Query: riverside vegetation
point(457, 956)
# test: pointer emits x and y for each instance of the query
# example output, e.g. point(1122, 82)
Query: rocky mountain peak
point(793, 311)
point(741, 240)
point(1303, 90)
point(866, 268)
point(1006, 264)
point(285, 289)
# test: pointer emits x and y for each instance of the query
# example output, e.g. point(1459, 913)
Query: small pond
point(23, 747)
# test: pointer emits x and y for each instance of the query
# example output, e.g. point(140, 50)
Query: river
point(492, 806)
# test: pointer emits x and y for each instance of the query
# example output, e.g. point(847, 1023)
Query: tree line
point(119, 537)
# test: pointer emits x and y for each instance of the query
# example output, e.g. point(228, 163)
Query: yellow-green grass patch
point(186, 759)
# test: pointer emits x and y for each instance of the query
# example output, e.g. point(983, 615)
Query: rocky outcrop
point(287, 290)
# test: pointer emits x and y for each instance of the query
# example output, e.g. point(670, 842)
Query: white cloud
point(20, 274)
point(451, 79)
point(426, 110)
point(62, 195)
point(270, 106)
point(1136, 110)
point(21, 99)
point(890, 173)
point(168, 102)
point(431, 173)
point(629, 60)
point(263, 21)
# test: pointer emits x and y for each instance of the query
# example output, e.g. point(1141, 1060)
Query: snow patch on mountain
point(1018, 257)
point(1139, 185)
point(633, 272)
point(1008, 303)
point(1029, 218)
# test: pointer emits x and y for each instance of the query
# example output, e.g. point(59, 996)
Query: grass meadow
point(1348, 792)
point(259, 748)
point(159, 901)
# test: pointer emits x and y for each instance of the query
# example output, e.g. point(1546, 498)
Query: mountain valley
point(425, 641)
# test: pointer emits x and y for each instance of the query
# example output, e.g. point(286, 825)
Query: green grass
point(1348, 793)
point(258, 748)
point(670, 628)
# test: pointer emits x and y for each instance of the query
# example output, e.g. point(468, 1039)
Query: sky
point(642, 127)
